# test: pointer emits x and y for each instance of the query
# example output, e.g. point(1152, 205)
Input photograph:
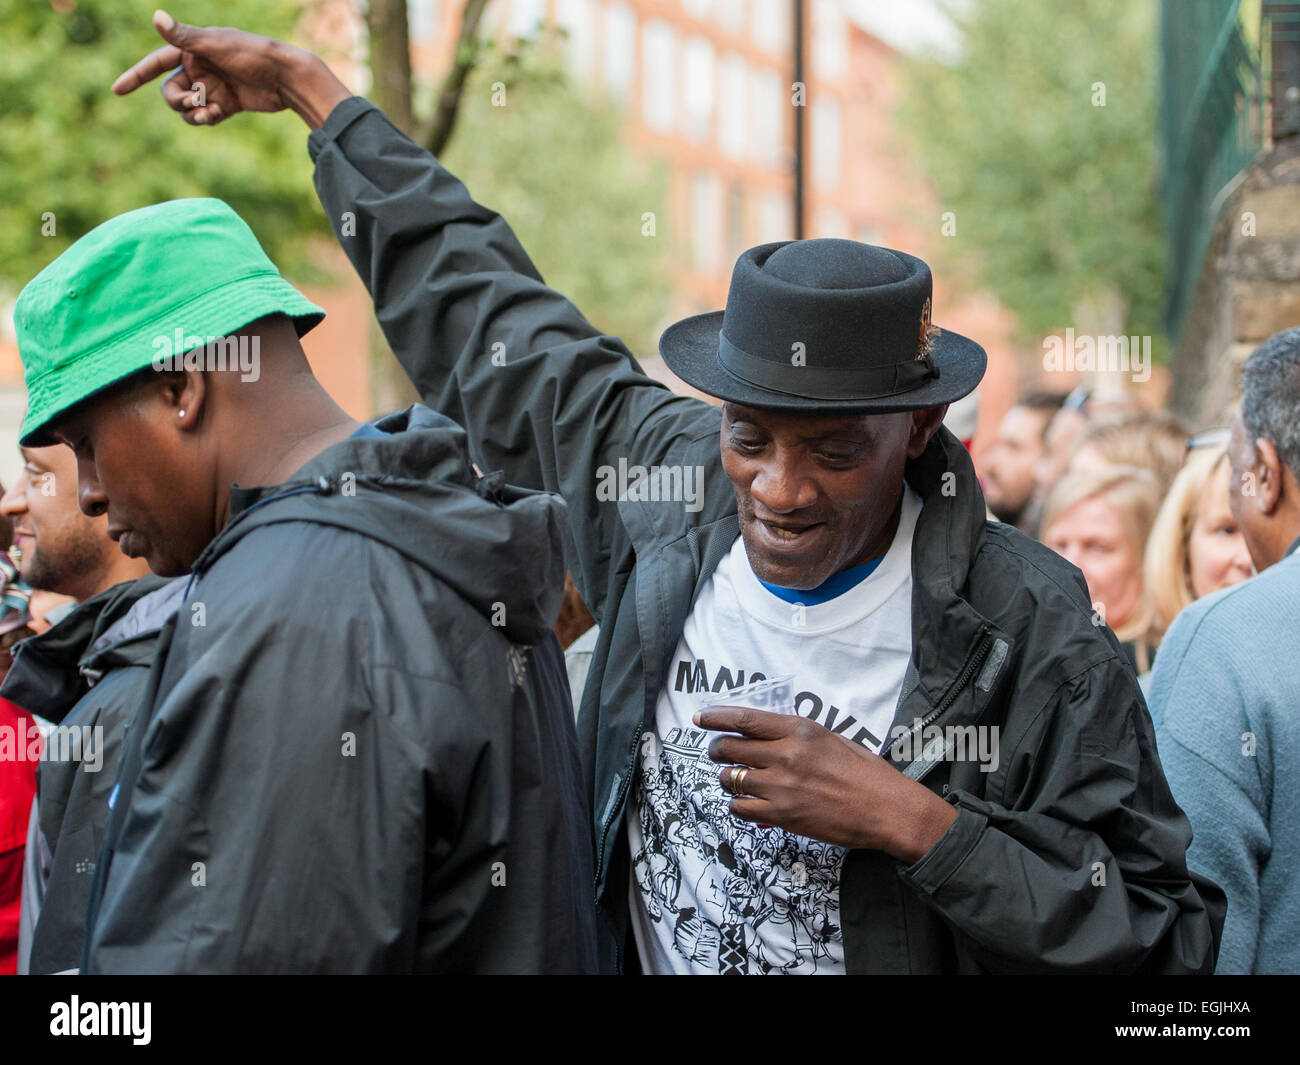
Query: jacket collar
point(953, 522)
point(954, 646)
point(53, 670)
point(500, 548)
point(129, 639)
point(416, 457)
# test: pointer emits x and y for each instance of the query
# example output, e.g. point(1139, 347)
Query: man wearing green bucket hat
point(358, 719)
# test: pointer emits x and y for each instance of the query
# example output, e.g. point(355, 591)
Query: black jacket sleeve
point(1081, 864)
point(542, 393)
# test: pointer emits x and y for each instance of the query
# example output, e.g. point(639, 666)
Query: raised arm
point(542, 393)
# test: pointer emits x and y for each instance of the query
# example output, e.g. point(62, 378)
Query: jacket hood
point(947, 539)
point(501, 548)
point(118, 627)
point(944, 476)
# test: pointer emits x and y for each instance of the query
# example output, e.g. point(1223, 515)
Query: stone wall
point(1249, 287)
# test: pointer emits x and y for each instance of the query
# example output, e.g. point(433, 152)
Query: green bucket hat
point(186, 269)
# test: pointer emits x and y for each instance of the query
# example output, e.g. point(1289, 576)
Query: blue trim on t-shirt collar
point(833, 586)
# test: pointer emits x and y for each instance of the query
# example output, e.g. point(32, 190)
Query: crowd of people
point(1129, 496)
point(1158, 519)
point(305, 709)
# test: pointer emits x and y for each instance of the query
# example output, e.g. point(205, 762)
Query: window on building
point(659, 80)
point(827, 151)
point(870, 233)
point(525, 16)
point(775, 218)
point(578, 19)
point(830, 58)
point(828, 222)
point(770, 104)
point(619, 51)
point(735, 221)
point(699, 88)
point(731, 14)
point(733, 106)
point(706, 221)
point(772, 23)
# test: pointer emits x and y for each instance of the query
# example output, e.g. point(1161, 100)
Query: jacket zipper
point(604, 839)
point(623, 789)
point(963, 678)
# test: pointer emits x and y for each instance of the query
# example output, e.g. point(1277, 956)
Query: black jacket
point(1069, 858)
point(358, 753)
point(90, 671)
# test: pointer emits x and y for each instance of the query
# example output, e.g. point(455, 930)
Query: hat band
point(824, 382)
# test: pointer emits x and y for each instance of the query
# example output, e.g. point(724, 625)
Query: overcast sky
point(908, 25)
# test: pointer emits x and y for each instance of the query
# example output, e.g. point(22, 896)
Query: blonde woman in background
point(1153, 441)
point(1100, 520)
point(1195, 546)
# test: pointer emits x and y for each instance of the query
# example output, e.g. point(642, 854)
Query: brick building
point(707, 85)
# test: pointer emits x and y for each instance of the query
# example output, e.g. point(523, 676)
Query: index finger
point(757, 724)
point(159, 61)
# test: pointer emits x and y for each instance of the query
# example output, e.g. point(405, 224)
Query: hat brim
point(217, 313)
point(690, 350)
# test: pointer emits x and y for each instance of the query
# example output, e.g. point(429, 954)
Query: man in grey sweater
point(1225, 690)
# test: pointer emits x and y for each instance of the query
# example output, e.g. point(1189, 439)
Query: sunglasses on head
point(1209, 438)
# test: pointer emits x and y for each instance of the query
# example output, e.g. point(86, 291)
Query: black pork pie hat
point(822, 326)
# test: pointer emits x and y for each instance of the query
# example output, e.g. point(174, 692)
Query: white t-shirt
point(710, 893)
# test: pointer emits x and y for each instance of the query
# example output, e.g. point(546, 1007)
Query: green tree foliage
point(68, 146)
point(1054, 193)
point(552, 161)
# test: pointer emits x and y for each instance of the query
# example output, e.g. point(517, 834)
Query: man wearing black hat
point(965, 778)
